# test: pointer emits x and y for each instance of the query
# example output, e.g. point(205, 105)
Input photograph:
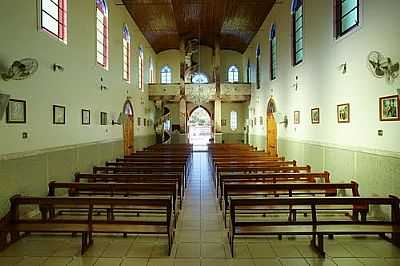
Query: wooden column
point(182, 101)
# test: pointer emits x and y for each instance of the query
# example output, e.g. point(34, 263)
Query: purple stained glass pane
point(102, 6)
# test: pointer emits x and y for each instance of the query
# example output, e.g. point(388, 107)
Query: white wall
point(78, 87)
point(320, 84)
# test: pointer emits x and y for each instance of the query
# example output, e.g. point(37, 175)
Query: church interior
point(199, 132)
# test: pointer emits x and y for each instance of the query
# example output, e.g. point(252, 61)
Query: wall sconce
point(121, 119)
point(285, 121)
point(57, 67)
point(343, 68)
point(102, 87)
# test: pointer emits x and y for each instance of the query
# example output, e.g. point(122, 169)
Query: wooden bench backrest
point(274, 177)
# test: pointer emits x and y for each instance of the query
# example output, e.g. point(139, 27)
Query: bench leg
point(396, 239)
point(84, 245)
point(3, 240)
point(317, 243)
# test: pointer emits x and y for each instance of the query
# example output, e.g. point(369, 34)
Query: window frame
point(62, 34)
point(234, 70)
point(141, 69)
point(233, 122)
point(295, 8)
point(126, 58)
point(168, 75)
point(339, 33)
point(105, 32)
point(272, 37)
point(200, 74)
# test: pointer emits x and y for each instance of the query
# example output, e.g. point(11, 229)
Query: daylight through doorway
point(199, 127)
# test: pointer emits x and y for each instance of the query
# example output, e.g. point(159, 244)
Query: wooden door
point(128, 135)
point(271, 140)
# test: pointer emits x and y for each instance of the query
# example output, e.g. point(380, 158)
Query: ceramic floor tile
point(267, 262)
point(213, 251)
point(320, 262)
point(188, 236)
point(117, 248)
point(9, 261)
point(337, 250)
point(134, 262)
point(373, 261)
point(187, 262)
point(212, 236)
point(286, 251)
point(108, 262)
point(161, 262)
point(392, 261)
point(32, 261)
point(58, 261)
point(261, 251)
point(294, 262)
point(359, 250)
point(159, 251)
point(347, 261)
point(216, 262)
point(242, 251)
point(83, 261)
point(188, 250)
point(139, 251)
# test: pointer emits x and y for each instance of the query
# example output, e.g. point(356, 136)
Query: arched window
point(233, 120)
point(151, 71)
point(272, 41)
point(54, 18)
point(297, 17)
point(233, 74)
point(199, 78)
point(166, 75)
point(141, 69)
point(126, 53)
point(102, 32)
point(258, 54)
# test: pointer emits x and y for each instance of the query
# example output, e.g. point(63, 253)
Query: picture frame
point(261, 121)
point(85, 115)
point(315, 119)
point(389, 108)
point(296, 117)
point(16, 112)
point(223, 122)
point(138, 121)
point(144, 122)
point(103, 118)
point(58, 115)
point(343, 113)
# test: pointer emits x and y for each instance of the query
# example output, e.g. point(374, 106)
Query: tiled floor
point(200, 240)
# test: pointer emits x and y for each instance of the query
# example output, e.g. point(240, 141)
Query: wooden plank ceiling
point(165, 22)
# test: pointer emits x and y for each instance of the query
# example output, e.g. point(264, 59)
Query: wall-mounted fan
point(381, 66)
point(21, 69)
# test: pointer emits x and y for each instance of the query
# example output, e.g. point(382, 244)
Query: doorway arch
point(200, 126)
point(128, 128)
point(271, 138)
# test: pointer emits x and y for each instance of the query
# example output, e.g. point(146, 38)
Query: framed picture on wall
point(144, 122)
point(58, 115)
point(296, 118)
point(16, 112)
point(389, 108)
point(261, 120)
point(223, 122)
point(85, 114)
point(315, 116)
point(103, 118)
point(138, 121)
point(343, 113)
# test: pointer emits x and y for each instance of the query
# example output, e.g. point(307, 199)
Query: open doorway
point(199, 127)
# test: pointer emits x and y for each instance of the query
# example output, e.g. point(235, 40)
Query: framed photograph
point(261, 121)
point(343, 113)
point(389, 108)
point(255, 121)
point(58, 115)
point(144, 122)
point(315, 116)
point(296, 118)
point(85, 117)
point(16, 112)
point(103, 118)
point(223, 122)
point(138, 121)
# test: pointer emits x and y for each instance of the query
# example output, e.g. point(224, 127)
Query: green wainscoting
point(232, 137)
point(29, 174)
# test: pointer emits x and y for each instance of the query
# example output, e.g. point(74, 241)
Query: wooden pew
point(118, 189)
point(239, 170)
point(257, 190)
point(133, 178)
point(89, 225)
point(316, 226)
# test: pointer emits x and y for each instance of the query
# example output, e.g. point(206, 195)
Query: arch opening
point(200, 126)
